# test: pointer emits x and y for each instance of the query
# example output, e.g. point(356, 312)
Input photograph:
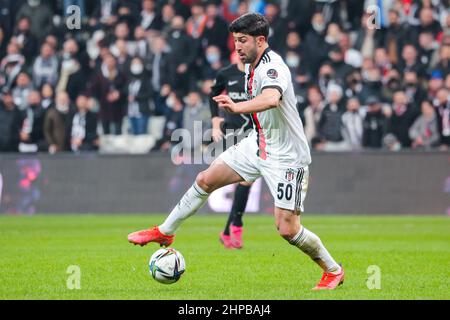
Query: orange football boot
point(151, 235)
point(330, 281)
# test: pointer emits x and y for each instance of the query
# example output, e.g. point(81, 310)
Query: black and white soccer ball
point(167, 265)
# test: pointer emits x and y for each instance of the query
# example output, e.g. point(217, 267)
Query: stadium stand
point(120, 82)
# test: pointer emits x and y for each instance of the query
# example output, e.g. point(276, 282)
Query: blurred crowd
point(367, 74)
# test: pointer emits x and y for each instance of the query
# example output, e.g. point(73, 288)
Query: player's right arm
point(216, 89)
point(268, 99)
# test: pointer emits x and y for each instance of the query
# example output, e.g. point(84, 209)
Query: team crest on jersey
point(290, 174)
point(272, 73)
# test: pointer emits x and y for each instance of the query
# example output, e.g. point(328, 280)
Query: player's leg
point(288, 187)
point(219, 174)
point(231, 237)
point(238, 209)
point(290, 228)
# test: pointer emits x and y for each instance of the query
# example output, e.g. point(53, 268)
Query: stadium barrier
point(406, 182)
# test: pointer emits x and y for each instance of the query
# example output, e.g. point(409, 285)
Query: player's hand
point(217, 133)
point(226, 103)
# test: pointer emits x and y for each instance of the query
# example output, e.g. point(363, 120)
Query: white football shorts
point(288, 185)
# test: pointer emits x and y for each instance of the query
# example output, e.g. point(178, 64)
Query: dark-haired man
point(277, 150)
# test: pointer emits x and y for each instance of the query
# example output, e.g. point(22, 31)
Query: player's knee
point(287, 233)
point(203, 182)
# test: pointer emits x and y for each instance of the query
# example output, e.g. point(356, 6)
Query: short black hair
point(253, 24)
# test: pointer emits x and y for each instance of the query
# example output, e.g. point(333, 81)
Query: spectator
point(53, 41)
point(83, 134)
point(139, 98)
point(443, 64)
point(395, 35)
point(372, 80)
point(352, 125)
point(22, 90)
point(6, 22)
point(141, 45)
point(128, 12)
point(3, 43)
point(123, 58)
point(108, 87)
point(216, 30)
point(383, 63)
point(149, 18)
point(10, 123)
point(26, 40)
point(427, 23)
point(427, 48)
point(442, 106)
point(160, 67)
point(57, 124)
point(173, 121)
point(393, 83)
point(183, 54)
point(11, 66)
point(213, 62)
point(410, 61)
point(48, 96)
point(341, 69)
point(315, 42)
point(196, 24)
point(424, 133)
point(434, 85)
point(73, 73)
point(40, 16)
point(326, 77)
point(195, 115)
point(45, 67)
point(32, 134)
point(413, 90)
point(168, 13)
point(277, 26)
point(295, 55)
point(330, 123)
point(297, 15)
point(367, 38)
point(105, 13)
point(355, 88)
point(403, 116)
point(375, 124)
point(313, 112)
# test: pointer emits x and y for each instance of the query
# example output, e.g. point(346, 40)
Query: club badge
point(290, 174)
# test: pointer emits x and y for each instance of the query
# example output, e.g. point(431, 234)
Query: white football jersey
point(278, 131)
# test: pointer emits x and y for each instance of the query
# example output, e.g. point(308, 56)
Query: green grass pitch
point(413, 254)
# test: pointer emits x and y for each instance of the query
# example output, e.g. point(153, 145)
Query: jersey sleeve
point(274, 76)
point(217, 88)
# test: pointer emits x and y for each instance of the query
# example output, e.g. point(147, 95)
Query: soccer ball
point(167, 265)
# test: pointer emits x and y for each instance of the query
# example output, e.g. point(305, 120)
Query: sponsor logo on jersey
point(272, 73)
point(237, 95)
point(232, 83)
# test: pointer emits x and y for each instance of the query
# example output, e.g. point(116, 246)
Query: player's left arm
point(268, 99)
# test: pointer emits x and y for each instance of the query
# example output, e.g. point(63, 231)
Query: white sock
point(192, 200)
point(311, 244)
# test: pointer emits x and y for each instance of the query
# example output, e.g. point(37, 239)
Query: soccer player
point(226, 130)
point(277, 150)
